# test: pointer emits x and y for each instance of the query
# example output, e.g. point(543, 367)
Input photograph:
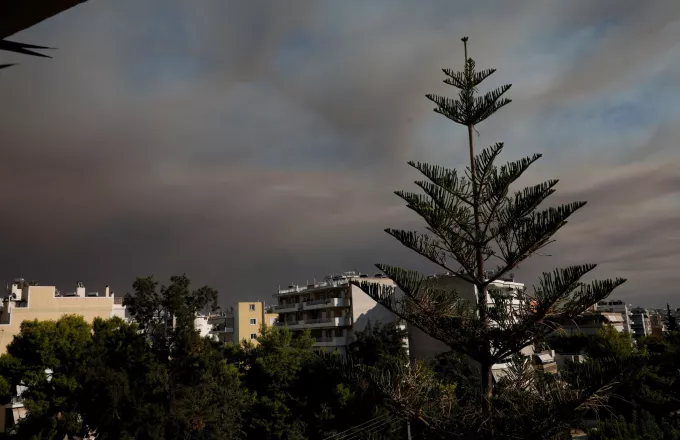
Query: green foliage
point(642, 427)
point(46, 358)
point(608, 342)
point(298, 394)
point(371, 346)
point(154, 379)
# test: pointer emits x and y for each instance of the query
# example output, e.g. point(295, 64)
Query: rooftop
point(508, 280)
point(329, 281)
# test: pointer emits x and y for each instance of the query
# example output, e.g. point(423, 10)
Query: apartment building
point(425, 347)
point(590, 323)
point(333, 309)
point(26, 302)
point(640, 322)
point(616, 306)
point(658, 325)
point(236, 324)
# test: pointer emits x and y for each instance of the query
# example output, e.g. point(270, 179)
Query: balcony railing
point(317, 323)
point(287, 307)
point(326, 302)
point(330, 342)
point(322, 340)
point(318, 301)
point(222, 329)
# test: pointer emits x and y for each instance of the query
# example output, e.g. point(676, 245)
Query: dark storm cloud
point(254, 144)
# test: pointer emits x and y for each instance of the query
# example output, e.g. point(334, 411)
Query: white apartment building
point(423, 346)
point(590, 323)
point(332, 309)
point(640, 322)
point(617, 306)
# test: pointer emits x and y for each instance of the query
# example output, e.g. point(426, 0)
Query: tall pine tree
point(475, 223)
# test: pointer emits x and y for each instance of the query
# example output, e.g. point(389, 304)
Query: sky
point(257, 144)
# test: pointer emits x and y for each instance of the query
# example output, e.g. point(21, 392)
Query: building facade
point(590, 323)
point(26, 303)
point(333, 309)
point(241, 322)
point(617, 306)
point(658, 325)
point(640, 323)
point(423, 346)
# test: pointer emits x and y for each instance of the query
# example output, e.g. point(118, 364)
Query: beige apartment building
point(236, 324)
point(26, 302)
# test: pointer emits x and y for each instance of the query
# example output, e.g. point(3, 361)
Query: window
point(253, 336)
point(251, 307)
point(272, 321)
point(253, 321)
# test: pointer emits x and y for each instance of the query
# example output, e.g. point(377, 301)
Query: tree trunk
point(487, 382)
point(487, 388)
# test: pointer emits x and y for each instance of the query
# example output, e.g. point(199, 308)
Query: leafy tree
point(606, 343)
point(149, 380)
point(198, 392)
point(643, 427)
point(46, 358)
point(670, 321)
point(273, 371)
point(377, 341)
point(299, 395)
point(475, 221)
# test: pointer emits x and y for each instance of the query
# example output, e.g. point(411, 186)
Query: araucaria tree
point(476, 223)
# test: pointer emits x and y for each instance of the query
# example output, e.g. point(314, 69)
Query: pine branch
point(447, 179)
point(440, 313)
point(458, 79)
point(533, 232)
point(422, 244)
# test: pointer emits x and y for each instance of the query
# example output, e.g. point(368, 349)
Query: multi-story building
point(658, 325)
point(332, 309)
point(590, 323)
point(241, 322)
point(639, 322)
point(424, 346)
point(616, 306)
point(26, 302)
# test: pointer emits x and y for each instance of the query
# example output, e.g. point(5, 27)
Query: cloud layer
point(252, 144)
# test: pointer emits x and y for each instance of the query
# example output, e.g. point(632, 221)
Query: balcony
point(286, 308)
point(315, 323)
point(221, 329)
point(323, 303)
point(330, 342)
